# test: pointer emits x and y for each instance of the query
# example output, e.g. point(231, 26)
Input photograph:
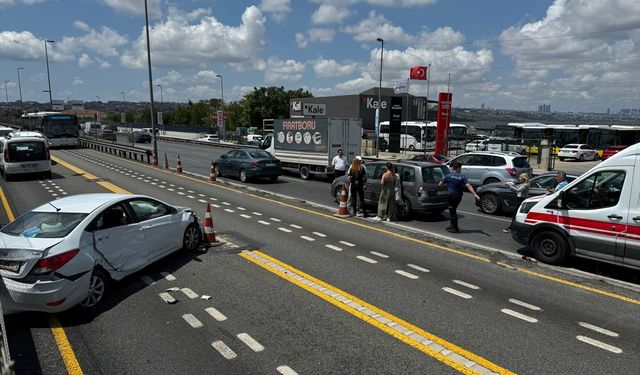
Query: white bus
point(418, 136)
point(58, 128)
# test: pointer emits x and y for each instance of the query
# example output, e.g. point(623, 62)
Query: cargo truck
point(307, 145)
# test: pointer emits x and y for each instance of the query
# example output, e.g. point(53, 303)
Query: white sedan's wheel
point(97, 289)
point(191, 238)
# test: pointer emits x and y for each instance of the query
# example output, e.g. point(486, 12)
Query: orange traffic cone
point(212, 172)
point(179, 165)
point(343, 211)
point(166, 162)
point(209, 234)
point(154, 160)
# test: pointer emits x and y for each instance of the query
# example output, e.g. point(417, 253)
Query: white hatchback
point(67, 252)
point(578, 152)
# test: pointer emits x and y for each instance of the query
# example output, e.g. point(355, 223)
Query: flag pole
point(406, 119)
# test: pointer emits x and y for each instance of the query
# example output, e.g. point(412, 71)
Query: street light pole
point(378, 113)
point(46, 55)
point(154, 161)
point(224, 125)
point(6, 93)
point(19, 85)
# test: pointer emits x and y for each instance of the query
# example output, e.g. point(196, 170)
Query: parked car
point(27, 133)
point(6, 132)
point(497, 197)
point(487, 167)
point(420, 190)
point(209, 138)
point(578, 152)
point(438, 159)
point(478, 145)
point(68, 251)
point(24, 155)
point(107, 134)
point(150, 130)
point(248, 163)
point(140, 137)
point(612, 150)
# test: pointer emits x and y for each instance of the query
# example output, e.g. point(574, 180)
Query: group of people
point(390, 196)
point(357, 184)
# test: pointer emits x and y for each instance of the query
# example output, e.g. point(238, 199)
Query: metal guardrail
point(197, 142)
point(138, 154)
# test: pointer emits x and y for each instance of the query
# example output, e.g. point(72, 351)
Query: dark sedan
point(247, 164)
point(497, 197)
point(140, 137)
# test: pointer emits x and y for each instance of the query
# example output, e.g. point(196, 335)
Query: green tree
point(268, 102)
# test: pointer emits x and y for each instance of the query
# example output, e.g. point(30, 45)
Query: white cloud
point(206, 75)
point(32, 2)
point(321, 35)
point(377, 26)
point(283, 70)
point(135, 7)
point(105, 42)
point(77, 82)
point(330, 14)
point(177, 42)
point(403, 3)
point(81, 26)
point(331, 68)
point(172, 78)
point(85, 61)
point(278, 9)
point(301, 40)
point(6, 3)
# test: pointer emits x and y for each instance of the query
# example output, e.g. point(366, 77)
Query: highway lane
point(436, 301)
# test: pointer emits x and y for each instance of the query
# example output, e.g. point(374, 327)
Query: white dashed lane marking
point(251, 343)
point(168, 276)
point(226, 203)
point(347, 243)
point(229, 210)
point(524, 304)
point(295, 226)
point(286, 230)
point(307, 238)
point(599, 344)
point(365, 259)
point(518, 315)
point(286, 370)
point(418, 268)
point(257, 213)
point(168, 298)
point(224, 350)
point(378, 254)
point(406, 274)
point(264, 222)
point(457, 293)
point(217, 315)
point(189, 293)
point(275, 219)
point(466, 285)
point(320, 234)
point(245, 216)
point(334, 247)
point(598, 329)
point(192, 320)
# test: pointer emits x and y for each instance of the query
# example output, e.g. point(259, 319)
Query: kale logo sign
point(311, 109)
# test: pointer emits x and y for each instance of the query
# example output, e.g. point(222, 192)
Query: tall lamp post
point(224, 125)
point(154, 161)
point(6, 93)
point(46, 56)
point(19, 85)
point(379, 95)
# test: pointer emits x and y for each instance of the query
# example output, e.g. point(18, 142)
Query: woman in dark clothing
point(357, 182)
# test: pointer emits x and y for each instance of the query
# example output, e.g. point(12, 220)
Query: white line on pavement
point(257, 213)
point(229, 210)
point(295, 226)
point(223, 349)
point(457, 293)
point(245, 216)
point(189, 293)
point(286, 370)
point(226, 203)
point(368, 260)
point(307, 238)
point(251, 342)
point(347, 243)
point(379, 254)
point(264, 222)
point(286, 230)
point(192, 320)
point(467, 285)
point(598, 329)
point(524, 304)
point(319, 234)
point(407, 274)
point(599, 344)
point(418, 268)
point(168, 276)
point(518, 315)
point(333, 247)
point(168, 298)
point(217, 315)
point(275, 219)
point(241, 208)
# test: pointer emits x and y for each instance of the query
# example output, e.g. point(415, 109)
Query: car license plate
point(443, 192)
point(270, 164)
point(29, 166)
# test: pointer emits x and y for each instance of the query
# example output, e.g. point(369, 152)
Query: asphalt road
point(296, 289)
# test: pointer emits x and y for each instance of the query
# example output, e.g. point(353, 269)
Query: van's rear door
point(632, 235)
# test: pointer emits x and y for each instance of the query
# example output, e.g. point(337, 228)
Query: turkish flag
point(419, 73)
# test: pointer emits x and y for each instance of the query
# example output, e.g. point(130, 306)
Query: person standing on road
point(339, 164)
point(455, 183)
point(387, 201)
point(561, 178)
point(364, 168)
point(522, 192)
point(357, 183)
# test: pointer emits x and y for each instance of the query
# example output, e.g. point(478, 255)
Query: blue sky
point(577, 55)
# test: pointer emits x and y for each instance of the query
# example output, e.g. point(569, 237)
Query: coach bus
point(419, 136)
point(61, 130)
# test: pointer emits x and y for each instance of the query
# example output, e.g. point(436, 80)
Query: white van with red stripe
point(596, 216)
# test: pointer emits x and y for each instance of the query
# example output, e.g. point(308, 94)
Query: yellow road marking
point(107, 185)
point(7, 208)
point(401, 236)
point(68, 356)
point(381, 326)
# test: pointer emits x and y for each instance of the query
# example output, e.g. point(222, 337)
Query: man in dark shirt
point(456, 182)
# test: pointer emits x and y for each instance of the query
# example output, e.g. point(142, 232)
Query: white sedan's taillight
point(50, 264)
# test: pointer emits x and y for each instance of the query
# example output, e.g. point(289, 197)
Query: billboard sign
point(312, 109)
point(301, 134)
point(444, 119)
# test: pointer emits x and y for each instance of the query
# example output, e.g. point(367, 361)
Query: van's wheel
point(243, 175)
point(404, 209)
point(490, 180)
point(549, 247)
point(98, 288)
point(191, 238)
point(305, 174)
point(490, 203)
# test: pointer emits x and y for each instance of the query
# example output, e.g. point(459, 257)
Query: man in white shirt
point(339, 164)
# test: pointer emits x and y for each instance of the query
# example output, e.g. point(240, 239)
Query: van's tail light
point(6, 154)
point(512, 171)
point(50, 264)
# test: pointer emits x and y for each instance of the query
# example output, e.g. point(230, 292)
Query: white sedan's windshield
point(44, 224)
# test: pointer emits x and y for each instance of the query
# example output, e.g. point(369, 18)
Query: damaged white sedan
point(68, 251)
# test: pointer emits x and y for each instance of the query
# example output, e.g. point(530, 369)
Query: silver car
point(487, 167)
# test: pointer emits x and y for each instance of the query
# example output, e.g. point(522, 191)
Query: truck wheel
point(549, 247)
point(412, 148)
point(305, 174)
